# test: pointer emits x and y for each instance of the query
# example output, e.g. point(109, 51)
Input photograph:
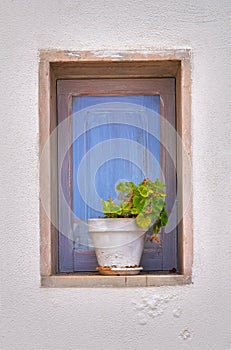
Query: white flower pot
point(118, 245)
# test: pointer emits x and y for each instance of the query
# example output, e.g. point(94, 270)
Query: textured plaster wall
point(189, 317)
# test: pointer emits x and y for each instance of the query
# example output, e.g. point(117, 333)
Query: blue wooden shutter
point(105, 150)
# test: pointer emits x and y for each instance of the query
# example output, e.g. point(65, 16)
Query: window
point(74, 83)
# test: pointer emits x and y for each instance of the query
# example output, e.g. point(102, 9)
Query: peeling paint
point(177, 312)
point(142, 319)
point(120, 55)
point(106, 54)
point(186, 334)
point(152, 306)
point(72, 53)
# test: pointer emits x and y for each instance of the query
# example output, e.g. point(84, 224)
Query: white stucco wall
point(188, 317)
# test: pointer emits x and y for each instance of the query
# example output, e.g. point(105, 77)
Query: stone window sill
point(88, 280)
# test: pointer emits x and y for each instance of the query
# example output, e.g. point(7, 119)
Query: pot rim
point(114, 224)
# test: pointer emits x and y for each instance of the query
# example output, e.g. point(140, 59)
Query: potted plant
point(119, 237)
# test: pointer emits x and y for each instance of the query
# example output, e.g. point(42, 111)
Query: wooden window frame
point(55, 65)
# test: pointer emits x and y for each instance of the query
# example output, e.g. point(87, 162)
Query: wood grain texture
point(115, 87)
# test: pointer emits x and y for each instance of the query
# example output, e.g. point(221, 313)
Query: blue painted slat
point(111, 170)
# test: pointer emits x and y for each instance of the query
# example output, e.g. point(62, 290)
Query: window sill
point(93, 280)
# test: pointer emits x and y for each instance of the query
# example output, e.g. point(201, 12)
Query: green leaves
point(162, 220)
point(113, 210)
point(143, 221)
point(125, 187)
point(143, 190)
point(138, 203)
point(109, 207)
point(144, 201)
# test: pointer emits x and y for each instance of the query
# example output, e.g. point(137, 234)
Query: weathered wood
point(64, 186)
point(168, 140)
point(115, 87)
point(90, 70)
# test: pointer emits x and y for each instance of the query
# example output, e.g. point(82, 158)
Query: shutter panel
point(110, 142)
